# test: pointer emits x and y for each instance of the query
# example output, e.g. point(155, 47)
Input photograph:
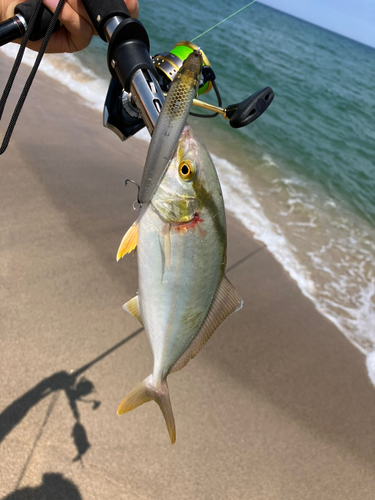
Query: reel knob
point(247, 111)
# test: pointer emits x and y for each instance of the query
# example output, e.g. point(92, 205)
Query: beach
point(278, 404)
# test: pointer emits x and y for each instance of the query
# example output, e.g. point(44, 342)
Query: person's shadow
point(74, 390)
point(54, 486)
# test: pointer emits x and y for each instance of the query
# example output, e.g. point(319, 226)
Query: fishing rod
point(139, 83)
point(128, 55)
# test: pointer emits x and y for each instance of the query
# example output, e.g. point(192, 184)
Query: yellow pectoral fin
point(129, 241)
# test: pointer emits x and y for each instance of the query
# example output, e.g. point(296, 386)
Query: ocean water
point(302, 177)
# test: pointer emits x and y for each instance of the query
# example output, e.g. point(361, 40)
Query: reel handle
point(245, 112)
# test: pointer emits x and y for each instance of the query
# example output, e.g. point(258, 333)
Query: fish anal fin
point(225, 302)
point(129, 241)
point(132, 307)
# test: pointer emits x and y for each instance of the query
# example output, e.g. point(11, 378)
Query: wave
point(241, 201)
point(69, 71)
point(328, 252)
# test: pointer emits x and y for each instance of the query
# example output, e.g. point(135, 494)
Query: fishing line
point(226, 19)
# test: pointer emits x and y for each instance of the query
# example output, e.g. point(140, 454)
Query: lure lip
point(169, 127)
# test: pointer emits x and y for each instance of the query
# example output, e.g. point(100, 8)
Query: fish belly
point(174, 301)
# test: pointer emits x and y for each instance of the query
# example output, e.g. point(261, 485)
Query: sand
point(277, 405)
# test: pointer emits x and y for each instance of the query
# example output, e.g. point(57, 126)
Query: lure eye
point(186, 170)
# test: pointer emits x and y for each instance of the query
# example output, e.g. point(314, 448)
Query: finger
point(59, 42)
point(79, 29)
point(79, 8)
point(7, 9)
point(133, 7)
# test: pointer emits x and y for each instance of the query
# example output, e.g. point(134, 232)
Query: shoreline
point(341, 296)
point(277, 405)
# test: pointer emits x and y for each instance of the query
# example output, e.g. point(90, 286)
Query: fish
point(170, 124)
point(183, 294)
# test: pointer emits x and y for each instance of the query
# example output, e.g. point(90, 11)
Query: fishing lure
point(170, 124)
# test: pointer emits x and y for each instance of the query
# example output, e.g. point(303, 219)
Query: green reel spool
point(168, 63)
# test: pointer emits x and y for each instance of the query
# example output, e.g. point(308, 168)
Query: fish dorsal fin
point(226, 301)
point(129, 241)
point(132, 307)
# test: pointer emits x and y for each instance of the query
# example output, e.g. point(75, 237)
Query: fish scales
point(183, 293)
point(182, 301)
point(180, 236)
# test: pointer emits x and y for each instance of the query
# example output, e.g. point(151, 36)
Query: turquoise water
point(309, 161)
point(302, 177)
point(321, 124)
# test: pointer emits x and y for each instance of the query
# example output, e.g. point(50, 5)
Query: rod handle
point(42, 21)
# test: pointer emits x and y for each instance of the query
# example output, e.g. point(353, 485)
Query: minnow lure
point(170, 124)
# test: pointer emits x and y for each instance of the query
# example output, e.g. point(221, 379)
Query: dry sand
point(277, 405)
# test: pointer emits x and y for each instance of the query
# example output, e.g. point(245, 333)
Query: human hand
point(76, 30)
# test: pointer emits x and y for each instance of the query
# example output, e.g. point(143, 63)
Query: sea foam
point(329, 256)
point(241, 201)
point(69, 71)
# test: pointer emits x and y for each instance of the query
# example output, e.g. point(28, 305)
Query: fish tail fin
point(148, 391)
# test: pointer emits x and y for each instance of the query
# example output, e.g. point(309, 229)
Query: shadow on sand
point(53, 487)
point(75, 390)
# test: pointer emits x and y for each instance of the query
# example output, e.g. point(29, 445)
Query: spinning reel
point(122, 115)
point(139, 84)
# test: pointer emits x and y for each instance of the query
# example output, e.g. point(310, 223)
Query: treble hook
point(137, 200)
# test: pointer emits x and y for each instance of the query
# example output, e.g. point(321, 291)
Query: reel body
point(168, 63)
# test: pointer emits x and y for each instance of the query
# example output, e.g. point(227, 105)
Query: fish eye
point(186, 170)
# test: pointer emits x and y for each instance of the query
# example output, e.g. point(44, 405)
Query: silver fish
point(184, 294)
point(170, 124)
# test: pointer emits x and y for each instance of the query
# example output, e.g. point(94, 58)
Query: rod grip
point(42, 21)
point(101, 10)
point(10, 30)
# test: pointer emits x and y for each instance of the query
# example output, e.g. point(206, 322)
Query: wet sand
point(277, 405)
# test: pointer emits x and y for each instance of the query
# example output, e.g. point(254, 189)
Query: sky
point(352, 18)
